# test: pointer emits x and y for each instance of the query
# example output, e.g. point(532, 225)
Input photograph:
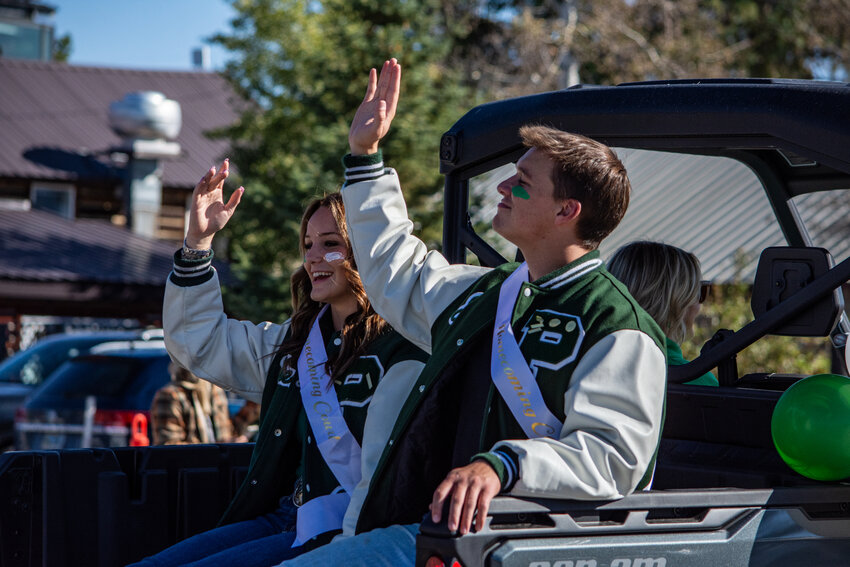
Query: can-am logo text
point(619, 562)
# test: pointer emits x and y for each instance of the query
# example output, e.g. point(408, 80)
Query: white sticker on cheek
point(334, 257)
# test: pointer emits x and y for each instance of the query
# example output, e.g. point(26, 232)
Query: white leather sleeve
point(613, 423)
point(407, 285)
point(235, 355)
point(389, 396)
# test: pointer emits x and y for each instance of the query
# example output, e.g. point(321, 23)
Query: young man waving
point(546, 379)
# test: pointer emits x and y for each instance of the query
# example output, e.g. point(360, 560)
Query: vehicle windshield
point(33, 365)
point(712, 206)
point(108, 378)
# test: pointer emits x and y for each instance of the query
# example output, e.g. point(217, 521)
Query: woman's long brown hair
point(359, 329)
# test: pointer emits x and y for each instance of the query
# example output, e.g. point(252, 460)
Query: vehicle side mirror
point(783, 271)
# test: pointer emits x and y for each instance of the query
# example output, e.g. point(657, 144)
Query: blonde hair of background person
point(665, 281)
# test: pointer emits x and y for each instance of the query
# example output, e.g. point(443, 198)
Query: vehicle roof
point(793, 134)
point(127, 346)
point(60, 337)
point(711, 117)
point(122, 351)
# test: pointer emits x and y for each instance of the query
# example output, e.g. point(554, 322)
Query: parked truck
point(699, 153)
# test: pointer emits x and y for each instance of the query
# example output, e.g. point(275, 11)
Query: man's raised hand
point(209, 213)
point(375, 114)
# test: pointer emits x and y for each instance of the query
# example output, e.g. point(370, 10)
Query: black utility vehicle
point(721, 496)
point(721, 493)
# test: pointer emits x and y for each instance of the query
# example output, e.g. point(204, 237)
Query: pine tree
point(302, 67)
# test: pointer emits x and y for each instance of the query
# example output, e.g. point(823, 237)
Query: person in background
point(246, 421)
point(189, 410)
point(666, 281)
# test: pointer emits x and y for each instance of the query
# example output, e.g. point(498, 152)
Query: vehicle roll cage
point(793, 134)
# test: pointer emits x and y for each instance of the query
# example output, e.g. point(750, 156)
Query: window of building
point(56, 198)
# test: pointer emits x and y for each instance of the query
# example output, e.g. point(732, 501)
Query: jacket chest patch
point(551, 339)
point(355, 389)
point(287, 373)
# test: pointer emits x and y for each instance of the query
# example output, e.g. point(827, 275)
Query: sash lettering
point(334, 440)
point(510, 372)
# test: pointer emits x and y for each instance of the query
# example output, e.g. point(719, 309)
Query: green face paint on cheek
point(520, 192)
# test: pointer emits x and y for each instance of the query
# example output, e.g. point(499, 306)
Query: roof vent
point(145, 115)
point(148, 123)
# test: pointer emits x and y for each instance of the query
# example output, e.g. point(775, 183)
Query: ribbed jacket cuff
point(363, 168)
point(505, 463)
point(187, 273)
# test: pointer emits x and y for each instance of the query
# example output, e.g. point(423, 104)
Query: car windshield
point(31, 366)
point(108, 378)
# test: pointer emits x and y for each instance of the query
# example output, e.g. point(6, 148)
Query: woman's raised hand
point(209, 213)
point(375, 114)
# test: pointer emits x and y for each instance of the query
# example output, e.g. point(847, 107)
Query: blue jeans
point(260, 542)
point(394, 546)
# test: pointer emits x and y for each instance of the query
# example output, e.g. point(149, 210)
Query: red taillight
point(117, 417)
point(139, 431)
point(435, 561)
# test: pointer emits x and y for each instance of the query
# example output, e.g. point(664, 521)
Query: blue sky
point(141, 34)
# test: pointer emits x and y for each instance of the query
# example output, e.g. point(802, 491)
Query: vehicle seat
point(721, 437)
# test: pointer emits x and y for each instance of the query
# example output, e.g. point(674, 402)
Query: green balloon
point(811, 427)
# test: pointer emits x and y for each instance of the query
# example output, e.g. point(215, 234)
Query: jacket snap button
point(422, 388)
point(526, 292)
point(254, 482)
point(337, 341)
point(459, 342)
point(277, 432)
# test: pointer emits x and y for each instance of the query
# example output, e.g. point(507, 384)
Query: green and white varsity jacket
point(597, 357)
point(240, 356)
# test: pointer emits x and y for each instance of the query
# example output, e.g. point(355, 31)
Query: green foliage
point(62, 47)
point(524, 46)
point(728, 307)
point(302, 66)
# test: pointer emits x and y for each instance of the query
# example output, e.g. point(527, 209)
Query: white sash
point(511, 374)
point(335, 442)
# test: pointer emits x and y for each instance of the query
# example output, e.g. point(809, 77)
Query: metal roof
point(714, 207)
point(40, 246)
point(53, 266)
point(54, 119)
